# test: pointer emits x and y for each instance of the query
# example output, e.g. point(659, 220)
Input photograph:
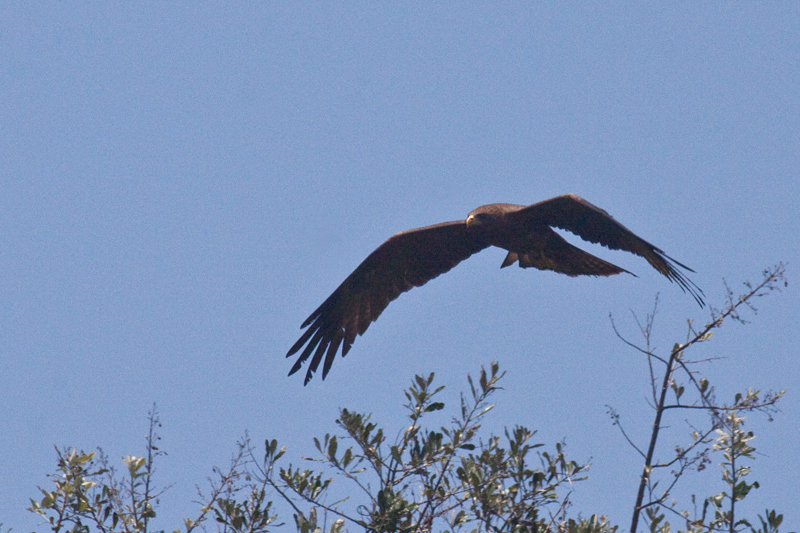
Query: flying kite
point(412, 258)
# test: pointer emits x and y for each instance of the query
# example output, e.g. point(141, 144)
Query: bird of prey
point(412, 258)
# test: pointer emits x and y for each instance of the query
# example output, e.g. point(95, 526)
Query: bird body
point(412, 258)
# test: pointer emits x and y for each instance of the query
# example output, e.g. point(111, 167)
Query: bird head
point(482, 216)
point(476, 220)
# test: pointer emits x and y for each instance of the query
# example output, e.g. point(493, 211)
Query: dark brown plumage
point(414, 257)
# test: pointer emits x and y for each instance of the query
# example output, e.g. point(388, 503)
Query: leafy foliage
point(437, 478)
point(444, 478)
point(88, 493)
point(732, 442)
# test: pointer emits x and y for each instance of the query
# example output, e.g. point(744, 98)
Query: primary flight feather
point(412, 258)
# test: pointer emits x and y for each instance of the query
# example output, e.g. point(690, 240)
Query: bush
point(445, 478)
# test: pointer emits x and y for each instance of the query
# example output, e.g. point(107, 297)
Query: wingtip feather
point(686, 284)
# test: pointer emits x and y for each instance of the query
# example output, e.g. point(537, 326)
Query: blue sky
point(183, 183)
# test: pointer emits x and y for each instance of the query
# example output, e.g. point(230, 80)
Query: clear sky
point(182, 183)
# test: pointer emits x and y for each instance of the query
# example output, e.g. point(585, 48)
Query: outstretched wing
point(573, 213)
point(407, 260)
point(554, 253)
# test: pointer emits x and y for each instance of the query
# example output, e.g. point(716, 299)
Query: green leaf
point(678, 389)
point(332, 446)
point(134, 464)
point(48, 500)
point(435, 406)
